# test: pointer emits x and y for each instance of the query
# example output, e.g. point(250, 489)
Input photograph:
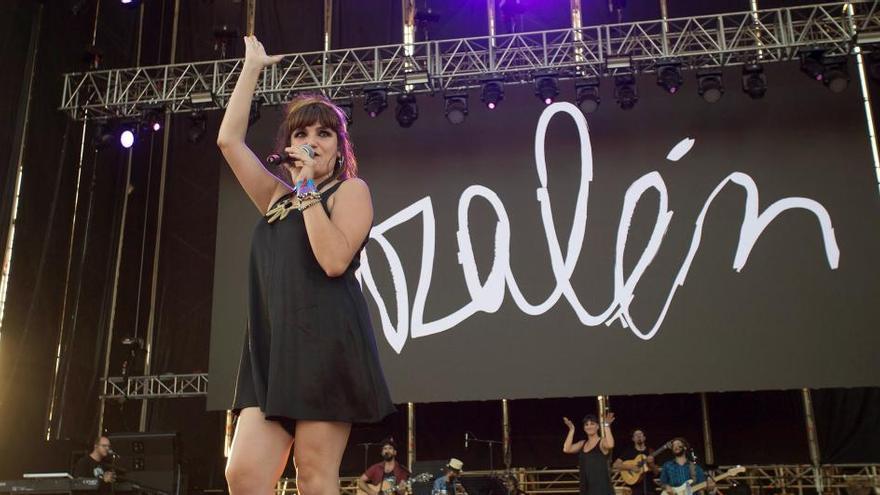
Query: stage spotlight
point(153, 120)
point(669, 77)
point(493, 93)
point(811, 64)
point(346, 107)
point(835, 76)
point(407, 109)
point(754, 82)
point(198, 127)
point(546, 88)
point(132, 4)
point(375, 100)
point(710, 86)
point(126, 137)
point(103, 134)
point(587, 95)
point(625, 91)
point(456, 107)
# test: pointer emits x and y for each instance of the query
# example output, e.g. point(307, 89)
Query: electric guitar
point(389, 488)
point(634, 475)
point(689, 487)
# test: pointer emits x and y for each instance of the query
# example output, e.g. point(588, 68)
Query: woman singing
point(593, 454)
point(310, 367)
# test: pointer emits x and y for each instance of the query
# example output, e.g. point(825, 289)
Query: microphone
point(111, 452)
point(283, 157)
point(466, 436)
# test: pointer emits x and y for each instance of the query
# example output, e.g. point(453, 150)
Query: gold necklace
point(282, 209)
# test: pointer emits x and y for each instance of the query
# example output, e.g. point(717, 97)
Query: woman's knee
point(313, 477)
point(242, 478)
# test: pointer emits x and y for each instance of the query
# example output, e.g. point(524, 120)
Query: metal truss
point(769, 35)
point(834, 479)
point(156, 387)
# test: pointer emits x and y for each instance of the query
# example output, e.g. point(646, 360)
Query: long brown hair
point(308, 109)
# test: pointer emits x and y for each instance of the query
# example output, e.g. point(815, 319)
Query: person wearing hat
point(448, 483)
point(386, 476)
point(593, 454)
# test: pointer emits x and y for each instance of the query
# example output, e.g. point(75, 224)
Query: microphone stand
point(490, 444)
point(113, 470)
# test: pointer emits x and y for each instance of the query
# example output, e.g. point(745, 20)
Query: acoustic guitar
point(633, 476)
point(389, 488)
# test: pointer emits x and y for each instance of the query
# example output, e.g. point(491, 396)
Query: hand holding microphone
point(302, 153)
point(290, 157)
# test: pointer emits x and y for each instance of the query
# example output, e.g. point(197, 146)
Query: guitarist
point(388, 473)
point(449, 482)
point(627, 460)
point(680, 470)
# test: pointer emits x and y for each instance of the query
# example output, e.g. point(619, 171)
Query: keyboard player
point(94, 465)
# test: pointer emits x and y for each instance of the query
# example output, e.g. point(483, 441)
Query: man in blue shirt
point(676, 473)
point(448, 483)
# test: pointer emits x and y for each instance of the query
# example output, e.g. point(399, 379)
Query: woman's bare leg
point(259, 453)
point(317, 455)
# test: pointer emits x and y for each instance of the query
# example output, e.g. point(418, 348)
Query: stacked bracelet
point(306, 194)
point(304, 204)
point(305, 188)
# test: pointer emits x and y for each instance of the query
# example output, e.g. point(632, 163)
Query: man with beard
point(449, 483)
point(680, 470)
point(626, 461)
point(93, 465)
point(385, 477)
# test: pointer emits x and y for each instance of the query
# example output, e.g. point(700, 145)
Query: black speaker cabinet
point(147, 459)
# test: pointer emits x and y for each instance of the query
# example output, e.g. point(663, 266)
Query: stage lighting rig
point(456, 107)
point(407, 109)
point(587, 95)
point(375, 100)
point(625, 91)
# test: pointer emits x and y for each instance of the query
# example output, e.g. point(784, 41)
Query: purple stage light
point(546, 87)
point(156, 126)
point(491, 106)
point(126, 139)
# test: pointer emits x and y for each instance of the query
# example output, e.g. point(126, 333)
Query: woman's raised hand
point(255, 54)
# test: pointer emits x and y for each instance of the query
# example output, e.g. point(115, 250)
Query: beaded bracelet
point(303, 205)
point(304, 188)
point(314, 195)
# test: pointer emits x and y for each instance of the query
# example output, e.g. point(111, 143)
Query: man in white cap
point(448, 483)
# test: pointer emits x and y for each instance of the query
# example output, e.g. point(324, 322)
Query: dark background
point(748, 427)
point(724, 330)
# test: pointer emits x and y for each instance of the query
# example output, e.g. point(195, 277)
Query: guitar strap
point(693, 467)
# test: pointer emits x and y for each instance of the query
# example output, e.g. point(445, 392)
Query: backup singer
point(310, 365)
point(593, 453)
